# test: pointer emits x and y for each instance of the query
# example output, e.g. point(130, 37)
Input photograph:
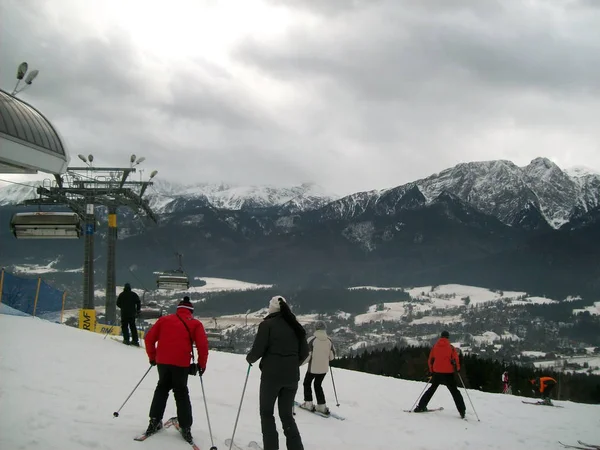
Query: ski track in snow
point(61, 385)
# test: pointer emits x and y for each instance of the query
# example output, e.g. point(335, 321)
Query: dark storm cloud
point(353, 95)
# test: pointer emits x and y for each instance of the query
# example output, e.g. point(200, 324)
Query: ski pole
point(421, 394)
point(116, 413)
point(240, 408)
point(109, 331)
point(468, 396)
point(207, 417)
point(333, 382)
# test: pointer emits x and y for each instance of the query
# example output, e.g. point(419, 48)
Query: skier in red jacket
point(443, 362)
point(174, 334)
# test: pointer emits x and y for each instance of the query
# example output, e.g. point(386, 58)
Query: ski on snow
point(169, 423)
point(582, 446)
point(144, 436)
point(541, 404)
point(589, 445)
point(251, 445)
point(331, 414)
point(175, 423)
point(441, 408)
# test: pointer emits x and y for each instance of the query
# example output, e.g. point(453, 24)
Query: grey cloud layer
point(384, 92)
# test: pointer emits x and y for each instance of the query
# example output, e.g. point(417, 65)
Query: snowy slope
point(60, 395)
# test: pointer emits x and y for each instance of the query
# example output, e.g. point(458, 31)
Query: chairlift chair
point(173, 279)
point(46, 225)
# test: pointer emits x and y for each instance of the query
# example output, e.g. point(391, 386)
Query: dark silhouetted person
point(130, 305)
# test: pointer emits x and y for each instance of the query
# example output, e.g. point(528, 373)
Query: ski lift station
point(29, 143)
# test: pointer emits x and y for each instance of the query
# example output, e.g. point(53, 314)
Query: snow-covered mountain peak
point(13, 194)
point(543, 169)
point(581, 171)
point(229, 196)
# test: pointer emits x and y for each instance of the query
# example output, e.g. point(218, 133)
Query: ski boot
point(323, 409)
point(419, 409)
point(154, 426)
point(308, 405)
point(186, 433)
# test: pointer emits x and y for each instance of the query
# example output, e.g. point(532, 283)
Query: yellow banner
point(112, 220)
point(87, 319)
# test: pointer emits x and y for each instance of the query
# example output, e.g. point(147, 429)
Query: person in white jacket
point(322, 351)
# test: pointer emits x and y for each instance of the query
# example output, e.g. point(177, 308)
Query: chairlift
point(173, 279)
point(46, 225)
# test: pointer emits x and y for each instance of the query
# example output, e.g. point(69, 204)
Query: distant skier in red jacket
point(506, 384)
point(173, 356)
point(443, 362)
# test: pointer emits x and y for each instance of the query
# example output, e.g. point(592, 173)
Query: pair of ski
point(121, 342)
point(319, 413)
point(441, 408)
point(168, 424)
point(542, 404)
point(251, 445)
point(582, 445)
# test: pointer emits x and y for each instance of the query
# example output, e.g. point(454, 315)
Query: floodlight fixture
point(22, 70)
point(31, 76)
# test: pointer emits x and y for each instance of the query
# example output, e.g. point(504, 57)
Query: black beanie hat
point(185, 303)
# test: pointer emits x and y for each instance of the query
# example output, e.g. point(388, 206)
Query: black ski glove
point(201, 370)
point(152, 363)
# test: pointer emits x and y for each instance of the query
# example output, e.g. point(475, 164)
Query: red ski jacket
point(173, 340)
point(441, 356)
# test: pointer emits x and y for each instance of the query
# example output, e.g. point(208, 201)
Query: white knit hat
point(274, 304)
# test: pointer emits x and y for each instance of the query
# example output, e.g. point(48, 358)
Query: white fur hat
point(274, 304)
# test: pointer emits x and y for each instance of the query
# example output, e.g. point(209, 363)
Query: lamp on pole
point(21, 71)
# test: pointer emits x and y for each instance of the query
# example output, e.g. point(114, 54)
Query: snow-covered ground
point(212, 285)
point(489, 337)
point(594, 309)
point(593, 363)
point(61, 396)
point(40, 269)
point(428, 298)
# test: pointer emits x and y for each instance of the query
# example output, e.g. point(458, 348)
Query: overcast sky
point(349, 94)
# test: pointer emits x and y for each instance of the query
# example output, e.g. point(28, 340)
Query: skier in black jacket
point(130, 305)
point(281, 345)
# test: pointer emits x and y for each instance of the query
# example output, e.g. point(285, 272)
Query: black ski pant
point(308, 379)
point(127, 324)
point(270, 391)
point(548, 388)
point(448, 380)
point(175, 378)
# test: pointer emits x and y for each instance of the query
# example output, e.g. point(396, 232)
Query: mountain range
point(489, 223)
